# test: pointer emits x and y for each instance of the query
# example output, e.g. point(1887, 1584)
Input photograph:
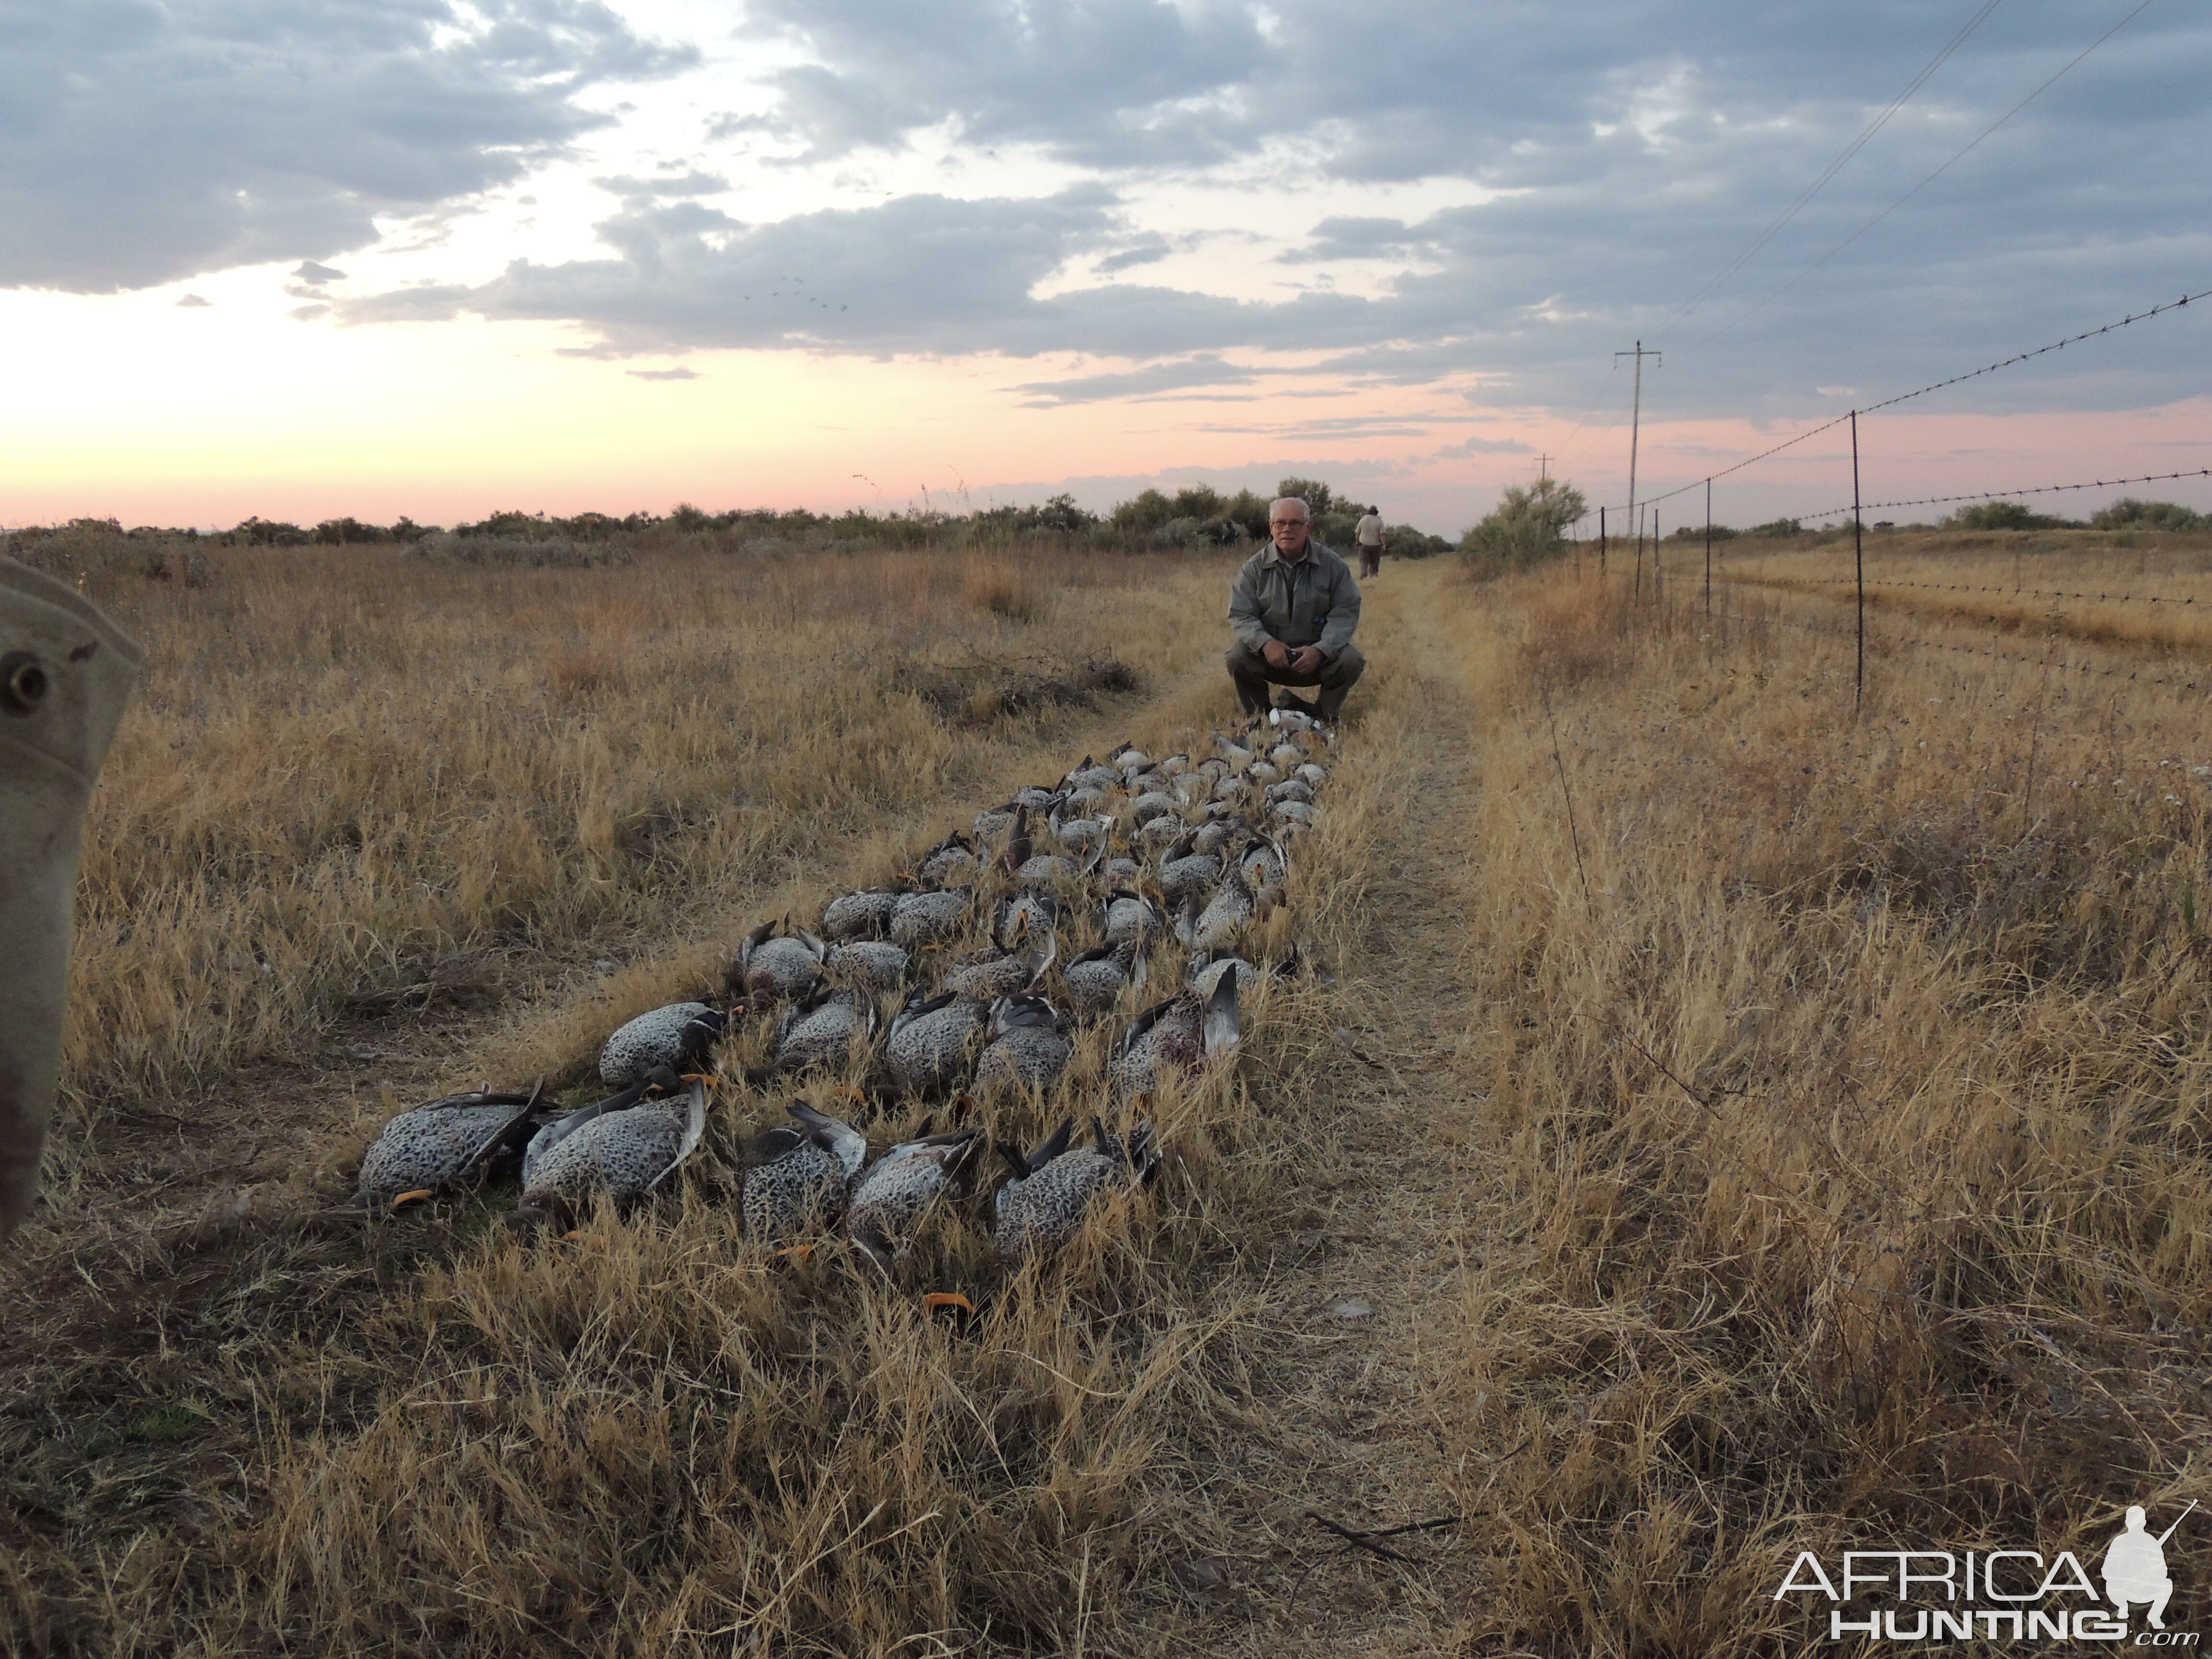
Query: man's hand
point(1306, 659)
point(1277, 654)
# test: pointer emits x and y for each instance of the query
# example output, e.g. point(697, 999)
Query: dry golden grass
point(2095, 585)
point(271, 1425)
point(1847, 1105)
point(1806, 1150)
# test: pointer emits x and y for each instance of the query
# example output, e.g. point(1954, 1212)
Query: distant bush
point(1529, 525)
point(1313, 491)
point(1698, 532)
point(1773, 528)
point(2004, 515)
point(518, 552)
point(344, 532)
point(264, 532)
point(2128, 513)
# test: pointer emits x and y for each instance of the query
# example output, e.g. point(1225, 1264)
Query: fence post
point(1600, 543)
point(1637, 592)
point(1858, 545)
point(1709, 547)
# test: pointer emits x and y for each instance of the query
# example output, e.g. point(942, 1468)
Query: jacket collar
point(1273, 556)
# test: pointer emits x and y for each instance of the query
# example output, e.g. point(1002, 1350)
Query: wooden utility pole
point(1635, 429)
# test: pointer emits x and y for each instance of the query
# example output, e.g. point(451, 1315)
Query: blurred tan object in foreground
point(64, 672)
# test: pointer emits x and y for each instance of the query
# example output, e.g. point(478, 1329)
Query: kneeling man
point(1294, 609)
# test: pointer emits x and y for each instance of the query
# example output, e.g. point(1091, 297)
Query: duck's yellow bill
point(420, 1196)
point(796, 1252)
point(937, 1299)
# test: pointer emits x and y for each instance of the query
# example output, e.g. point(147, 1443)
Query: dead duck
point(921, 919)
point(779, 963)
point(1053, 1190)
point(1175, 1038)
point(1237, 750)
point(444, 1140)
point(681, 1036)
point(1130, 758)
point(796, 1175)
point(1186, 870)
point(1296, 720)
point(1089, 775)
point(1095, 979)
point(1039, 797)
point(1290, 788)
point(1214, 836)
point(994, 822)
point(1130, 918)
point(1150, 804)
point(1025, 1045)
point(1231, 908)
point(865, 915)
point(886, 1204)
point(626, 1154)
point(1120, 869)
point(1286, 756)
point(1033, 911)
point(1264, 863)
point(1314, 775)
point(951, 859)
point(876, 962)
point(932, 1038)
point(997, 970)
point(1204, 973)
point(822, 1028)
point(1080, 835)
point(1263, 772)
point(1161, 833)
point(1293, 811)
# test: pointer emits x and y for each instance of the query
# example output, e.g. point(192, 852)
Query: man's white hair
point(1298, 501)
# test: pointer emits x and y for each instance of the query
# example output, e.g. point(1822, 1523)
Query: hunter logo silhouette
point(2135, 1567)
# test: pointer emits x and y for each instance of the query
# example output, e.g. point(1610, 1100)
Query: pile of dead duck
point(965, 983)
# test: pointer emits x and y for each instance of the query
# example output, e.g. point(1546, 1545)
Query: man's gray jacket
point(1313, 602)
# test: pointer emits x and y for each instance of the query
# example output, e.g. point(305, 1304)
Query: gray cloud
point(922, 273)
point(146, 142)
point(311, 273)
point(1210, 370)
point(193, 302)
point(1110, 84)
point(1642, 148)
point(678, 374)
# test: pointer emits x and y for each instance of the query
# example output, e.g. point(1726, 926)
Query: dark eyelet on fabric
point(24, 682)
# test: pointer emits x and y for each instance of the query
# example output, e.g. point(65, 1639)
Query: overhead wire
point(1866, 135)
point(1937, 385)
point(1960, 155)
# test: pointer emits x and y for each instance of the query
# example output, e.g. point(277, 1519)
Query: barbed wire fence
point(1858, 506)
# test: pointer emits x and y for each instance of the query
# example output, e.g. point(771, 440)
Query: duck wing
point(695, 1130)
point(1225, 1015)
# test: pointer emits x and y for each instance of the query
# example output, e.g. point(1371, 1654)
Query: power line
point(1833, 167)
point(1924, 183)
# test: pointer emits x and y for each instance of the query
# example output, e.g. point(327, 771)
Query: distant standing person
point(1294, 609)
point(1371, 543)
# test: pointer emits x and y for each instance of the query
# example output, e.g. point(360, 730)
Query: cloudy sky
point(304, 258)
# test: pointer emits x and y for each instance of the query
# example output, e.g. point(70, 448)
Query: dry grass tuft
point(1004, 591)
point(1855, 1180)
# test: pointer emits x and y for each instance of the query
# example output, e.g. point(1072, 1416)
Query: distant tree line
point(1197, 516)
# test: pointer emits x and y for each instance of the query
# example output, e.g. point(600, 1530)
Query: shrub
point(2128, 513)
point(347, 531)
point(1528, 524)
point(1313, 491)
point(2003, 515)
